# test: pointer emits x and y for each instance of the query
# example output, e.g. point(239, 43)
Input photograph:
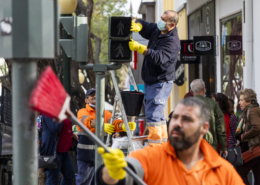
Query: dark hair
point(232, 101)
point(213, 95)
point(122, 134)
point(223, 103)
point(204, 112)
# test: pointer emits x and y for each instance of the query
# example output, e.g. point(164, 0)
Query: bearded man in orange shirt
point(186, 159)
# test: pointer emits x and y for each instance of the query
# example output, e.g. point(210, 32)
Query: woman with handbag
point(247, 133)
point(56, 141)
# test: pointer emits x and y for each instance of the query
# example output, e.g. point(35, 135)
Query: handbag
point(234, 153)
point(49, 161)
point(247, 156)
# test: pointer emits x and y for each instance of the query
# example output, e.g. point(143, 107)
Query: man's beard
point(183, 143)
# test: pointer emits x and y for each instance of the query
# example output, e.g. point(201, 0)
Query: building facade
point(233, 23)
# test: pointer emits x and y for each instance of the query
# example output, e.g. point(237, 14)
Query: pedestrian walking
point(57, 139)
point(185, 159)
point(225, 108)
point(160, 57)
point(217, 130)
point(247, 133)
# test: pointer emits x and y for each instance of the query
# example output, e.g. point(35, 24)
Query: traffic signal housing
point(119, 37)
point(75, 48)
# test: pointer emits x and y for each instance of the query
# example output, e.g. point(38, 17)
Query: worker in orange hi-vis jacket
point(186, 158)
point(85, 147)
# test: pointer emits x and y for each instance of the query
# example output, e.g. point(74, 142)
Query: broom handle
point(96, 140)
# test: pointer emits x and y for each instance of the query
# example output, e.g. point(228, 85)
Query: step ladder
point(133, 141)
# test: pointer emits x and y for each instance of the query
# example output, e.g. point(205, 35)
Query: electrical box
point(75, 48)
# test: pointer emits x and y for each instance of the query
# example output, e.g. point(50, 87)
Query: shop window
point(231, 56)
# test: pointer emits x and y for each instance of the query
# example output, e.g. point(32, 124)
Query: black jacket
point(159, 63)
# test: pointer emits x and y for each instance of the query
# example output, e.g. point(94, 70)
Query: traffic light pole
point(25, 161)
point(66, 63)
point(100, 107)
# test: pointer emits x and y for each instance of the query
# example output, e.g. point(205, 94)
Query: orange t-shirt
point(162, 167)
point(195, 174)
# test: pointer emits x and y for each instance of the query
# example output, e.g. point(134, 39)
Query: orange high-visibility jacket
point(161, 166)
point(87, 114)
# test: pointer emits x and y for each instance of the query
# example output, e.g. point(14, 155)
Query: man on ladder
point(160, 57)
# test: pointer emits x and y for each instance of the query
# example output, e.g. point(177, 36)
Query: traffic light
point(119, 37)
point(75, 48)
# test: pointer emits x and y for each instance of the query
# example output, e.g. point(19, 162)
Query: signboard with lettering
point(203, 45)
point(234, 45)
point(187, 56)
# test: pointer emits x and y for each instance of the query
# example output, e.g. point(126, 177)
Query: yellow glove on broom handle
point(100, 143)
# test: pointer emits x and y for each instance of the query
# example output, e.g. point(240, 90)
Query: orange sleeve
point(86, 122)
point(116, 124)
point(143, 156)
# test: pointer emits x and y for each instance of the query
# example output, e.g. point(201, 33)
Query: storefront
point(201, 22)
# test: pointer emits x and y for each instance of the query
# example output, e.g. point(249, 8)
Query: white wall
point(223, 8)
point(256, 50)
point(159, 10)
point(178, 4)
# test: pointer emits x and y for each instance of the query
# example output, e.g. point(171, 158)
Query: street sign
point(187, 56)
point(75, 48)
point(179, 73)
point(203, 45)
point(119, 37)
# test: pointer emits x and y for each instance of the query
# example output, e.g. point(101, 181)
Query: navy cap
point(89, 91)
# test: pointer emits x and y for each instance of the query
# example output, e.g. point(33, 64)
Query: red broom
point(50, 98)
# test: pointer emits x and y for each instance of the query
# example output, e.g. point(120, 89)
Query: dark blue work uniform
point(158, 73)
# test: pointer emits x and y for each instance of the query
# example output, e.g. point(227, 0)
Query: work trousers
point(86, 173)
point(253, 165)
point(156, 96)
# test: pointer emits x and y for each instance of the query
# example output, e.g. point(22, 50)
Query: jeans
point(253, 165)
point(156, 97)
point(86, 173)
point(65, 167)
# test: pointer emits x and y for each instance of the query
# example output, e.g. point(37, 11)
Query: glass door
point(231, 56)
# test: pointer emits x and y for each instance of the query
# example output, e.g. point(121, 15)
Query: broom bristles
point(48, 97)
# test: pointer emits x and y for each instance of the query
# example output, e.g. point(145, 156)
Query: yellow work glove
point(136, 27)
point(135, 46)
point(114, 161)
point(132, 126)
point(109, 128)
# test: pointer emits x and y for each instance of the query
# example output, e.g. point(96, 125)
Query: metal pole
point(112, 119)
point(66, 65)
point(100, 99)
point(25, 162)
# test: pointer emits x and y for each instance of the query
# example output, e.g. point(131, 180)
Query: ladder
point(118, 99)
